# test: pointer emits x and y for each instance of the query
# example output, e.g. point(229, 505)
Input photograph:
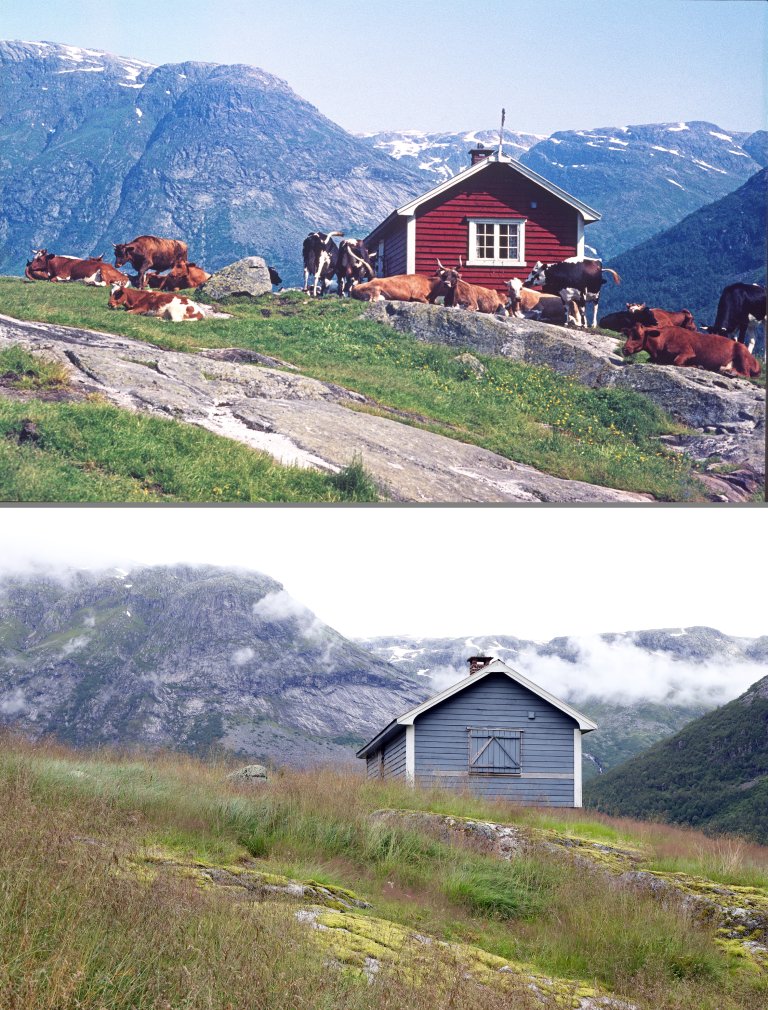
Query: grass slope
point(91, 451)
point(523, 412)
point(712, 774)
point(86, 920)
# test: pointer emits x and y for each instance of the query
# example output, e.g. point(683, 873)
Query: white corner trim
point(410, 754)
point(577, 802)
point(410, 244)
point(580, 236)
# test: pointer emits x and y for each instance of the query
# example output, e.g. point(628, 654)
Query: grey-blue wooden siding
point(394, 758)
point(496, 702)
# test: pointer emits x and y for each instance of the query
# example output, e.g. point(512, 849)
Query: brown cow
point(398, 288)
point(188, 275)
point(674, 345)
point(47, 266)
point(148, 252)
point(462, 294)
point(177, 308)
point(661, 317)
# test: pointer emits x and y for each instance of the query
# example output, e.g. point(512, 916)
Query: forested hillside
point(712, 774)
point(688, 265)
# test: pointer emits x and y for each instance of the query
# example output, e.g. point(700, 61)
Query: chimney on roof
point(479, 154)
point(478, 663)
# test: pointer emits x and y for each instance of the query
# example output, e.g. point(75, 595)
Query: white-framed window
point(380, 258)
point(496, 242)
point(495, 751)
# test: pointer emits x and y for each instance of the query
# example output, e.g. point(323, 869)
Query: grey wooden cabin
point(495, 733)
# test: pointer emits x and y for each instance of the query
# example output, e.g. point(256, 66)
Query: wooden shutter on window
point(495, 750)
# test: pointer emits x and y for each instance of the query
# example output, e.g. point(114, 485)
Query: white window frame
point(496, 260)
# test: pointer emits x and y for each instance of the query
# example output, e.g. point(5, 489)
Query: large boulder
point(248, 277)
point(250, 773)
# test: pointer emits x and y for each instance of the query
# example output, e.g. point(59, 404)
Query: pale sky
point(445, 572)
point(452, 64)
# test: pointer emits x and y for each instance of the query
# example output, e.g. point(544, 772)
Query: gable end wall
point(551, 229)
point(497, 702)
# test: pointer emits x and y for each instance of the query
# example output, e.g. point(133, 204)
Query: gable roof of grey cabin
point(409, 209)
point(497, 666)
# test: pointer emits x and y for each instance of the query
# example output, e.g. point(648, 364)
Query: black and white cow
point(354, 264)
point(742, 308)
point(584, 275)
point(321, 256)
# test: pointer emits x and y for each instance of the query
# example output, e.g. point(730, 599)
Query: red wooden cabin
point(497, 215)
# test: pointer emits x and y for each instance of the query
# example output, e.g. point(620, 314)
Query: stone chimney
point(477, 663)
point(479, 154)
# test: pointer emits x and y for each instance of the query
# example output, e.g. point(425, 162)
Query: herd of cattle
point(553, 292)
point(557, 293)
point(160, 263)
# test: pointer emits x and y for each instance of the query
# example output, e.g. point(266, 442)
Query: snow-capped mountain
point(642, 179)
point(442, 155)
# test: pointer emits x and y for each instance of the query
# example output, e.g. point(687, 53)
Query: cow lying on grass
point(45, 266)
point(176, 308)
point(183, 276)
point(398, 288)
point(675, 345)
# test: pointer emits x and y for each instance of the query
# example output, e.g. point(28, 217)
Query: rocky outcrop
point(296, 419)
point(248, 277)
point(739, 914)
point(729, 411)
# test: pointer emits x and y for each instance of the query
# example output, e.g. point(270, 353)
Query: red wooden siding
point(442, 231)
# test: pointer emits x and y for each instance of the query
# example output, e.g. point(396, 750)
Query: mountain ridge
point(98, 148)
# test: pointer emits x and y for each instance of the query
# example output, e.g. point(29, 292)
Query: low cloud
point(74, 644)
point(624, 673)
point(242, 656)
point(13, 703)
point(281, 606)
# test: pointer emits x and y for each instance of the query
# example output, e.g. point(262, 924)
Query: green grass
point(91, 451)
point(28, 371)
point(524, 412)
point(560, 916)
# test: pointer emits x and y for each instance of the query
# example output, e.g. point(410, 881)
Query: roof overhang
point(585, 724)
point(409, 209)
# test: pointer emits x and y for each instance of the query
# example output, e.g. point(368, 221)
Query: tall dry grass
point(75, 931)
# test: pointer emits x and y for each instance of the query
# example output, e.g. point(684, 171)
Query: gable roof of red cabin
point(409, 209)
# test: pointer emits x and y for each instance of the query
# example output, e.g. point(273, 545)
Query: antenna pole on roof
point(501, 130)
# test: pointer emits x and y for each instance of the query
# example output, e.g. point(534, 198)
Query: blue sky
point(451, 64)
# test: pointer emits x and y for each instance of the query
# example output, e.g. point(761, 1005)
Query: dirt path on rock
point(295, 419)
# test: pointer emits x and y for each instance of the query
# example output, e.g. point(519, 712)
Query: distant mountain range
point(98, 148)
point(192, 657)
point(642, 179)
point(688, 265)
point(713, 774)
point(188, 657)
point(638, 686)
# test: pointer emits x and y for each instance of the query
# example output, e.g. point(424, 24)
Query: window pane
point(508, 241)
point(484, 241)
